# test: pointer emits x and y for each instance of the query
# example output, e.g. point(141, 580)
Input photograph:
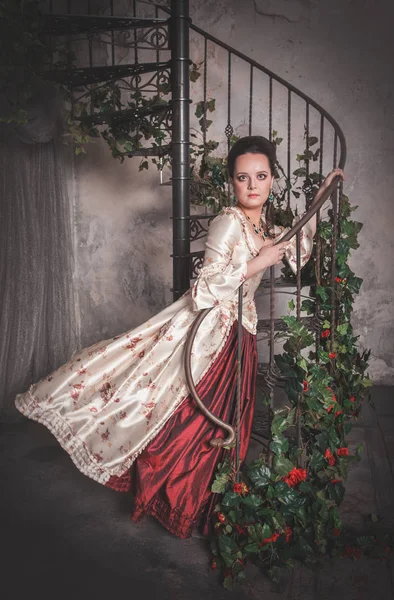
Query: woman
point(121, 407)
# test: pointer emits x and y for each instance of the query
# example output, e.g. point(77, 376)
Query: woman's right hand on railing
point(270, 254)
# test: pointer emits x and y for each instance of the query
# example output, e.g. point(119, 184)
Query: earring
point(233, 199)
point(271, 197)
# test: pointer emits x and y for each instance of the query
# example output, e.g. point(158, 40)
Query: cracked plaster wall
point(337, 52)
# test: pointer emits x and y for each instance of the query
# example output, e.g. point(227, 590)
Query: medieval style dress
point(122, 410)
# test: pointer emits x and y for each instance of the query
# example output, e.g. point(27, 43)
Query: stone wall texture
point(340, 54)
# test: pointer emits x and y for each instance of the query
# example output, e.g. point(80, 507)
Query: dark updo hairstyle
point(255, 144)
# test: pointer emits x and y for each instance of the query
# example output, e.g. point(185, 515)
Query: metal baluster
point(298, 313)
point(271, 377)
point(307, 139)
point(318, 242)
point(229, 128)
point(288, 146)
point(298, 277)
point(251, 100)
point(204, 131)
point(135, 40)
point(180, 101)
point(270, 111)
point(112, 35)
point(157, 51)
point(239, 385)
point(334, 199)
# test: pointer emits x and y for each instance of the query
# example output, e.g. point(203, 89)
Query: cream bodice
point(229, 247)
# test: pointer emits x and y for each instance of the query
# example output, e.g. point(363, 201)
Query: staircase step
point(77, 24)
point(122, 116)
point(279, 325)
point(284, 282)
point(87, 75)
point(151, 151)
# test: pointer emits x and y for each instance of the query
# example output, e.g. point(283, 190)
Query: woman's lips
point(253, 195)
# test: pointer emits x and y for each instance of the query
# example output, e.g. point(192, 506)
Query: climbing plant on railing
point(285, 510)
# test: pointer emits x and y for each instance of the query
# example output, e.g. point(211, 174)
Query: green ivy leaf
point(336, 492)
point(279, 444)
point(322, 440)
point(321, 292)
point(301, 362)
point(317, 461)
point(278, 425)
point(308, 306)
point(282, 465)
point(227, 545)
point(231, 500)
point(220, 483)
point(252, 500)
point(252, 548)
point(342, 329)
point(228, 583)
point(259, 475)
point(270, 493)
point(194, 75)
point(301, 172)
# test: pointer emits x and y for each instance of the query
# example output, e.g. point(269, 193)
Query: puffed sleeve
point(219, 277)
point(306, 243)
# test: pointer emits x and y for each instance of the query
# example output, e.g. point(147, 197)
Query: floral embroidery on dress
point(105, 435)
point(133, 342)
point(147, 409)
point(107, 391)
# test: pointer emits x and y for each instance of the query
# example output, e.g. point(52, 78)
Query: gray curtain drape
point(37, 320)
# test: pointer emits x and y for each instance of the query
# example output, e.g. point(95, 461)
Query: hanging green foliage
point(285, 510)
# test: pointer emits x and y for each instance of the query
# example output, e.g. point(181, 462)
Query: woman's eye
point(262, 176)
point(241, 177)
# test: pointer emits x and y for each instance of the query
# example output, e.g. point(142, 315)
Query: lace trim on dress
point(245, 227)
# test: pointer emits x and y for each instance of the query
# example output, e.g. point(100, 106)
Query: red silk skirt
point(171, 478)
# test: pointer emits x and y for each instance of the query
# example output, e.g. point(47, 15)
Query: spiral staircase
point(165, 34)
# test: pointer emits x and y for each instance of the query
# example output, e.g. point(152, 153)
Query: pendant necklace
point(258, 230)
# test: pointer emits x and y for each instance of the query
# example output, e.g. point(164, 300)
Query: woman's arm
point(307, 232)
point(218, 278)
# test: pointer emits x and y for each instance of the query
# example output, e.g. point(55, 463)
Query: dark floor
point(65, 536)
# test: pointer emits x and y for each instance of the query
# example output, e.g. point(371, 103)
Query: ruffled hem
point(83, 459)
point(64, 434)
point(174, 520)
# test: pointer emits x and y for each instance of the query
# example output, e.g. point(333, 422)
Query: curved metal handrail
point(220, 442)
point(272, 75)
point(293, 231)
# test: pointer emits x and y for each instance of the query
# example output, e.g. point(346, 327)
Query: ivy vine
point(285, 510)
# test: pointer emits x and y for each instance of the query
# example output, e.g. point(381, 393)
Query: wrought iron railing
point(272, 103)
point(252, 100)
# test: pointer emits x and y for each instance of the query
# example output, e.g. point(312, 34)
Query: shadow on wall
point(123, 233)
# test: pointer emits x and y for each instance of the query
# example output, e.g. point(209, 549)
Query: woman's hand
point(330, 178)
point(272, 254)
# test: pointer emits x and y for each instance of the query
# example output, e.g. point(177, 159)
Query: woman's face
point(252, 180)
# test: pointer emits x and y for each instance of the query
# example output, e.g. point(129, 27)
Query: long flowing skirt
point(171, 478)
